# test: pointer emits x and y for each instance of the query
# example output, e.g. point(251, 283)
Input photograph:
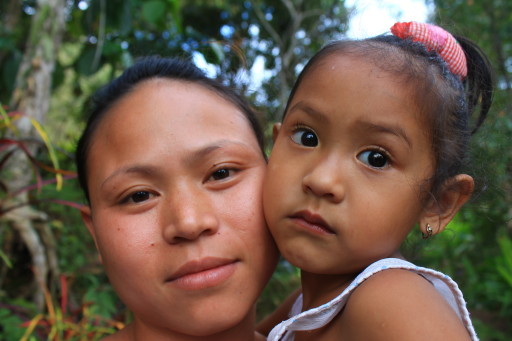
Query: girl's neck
point(318, 289)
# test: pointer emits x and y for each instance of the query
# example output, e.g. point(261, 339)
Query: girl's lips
point(312, 221)
point(203, 273)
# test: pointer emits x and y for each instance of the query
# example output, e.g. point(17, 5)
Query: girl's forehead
point(356, 69)
point(347, 89)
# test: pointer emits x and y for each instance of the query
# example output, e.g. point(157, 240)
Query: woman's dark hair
point(446, 102)
point(144, 69)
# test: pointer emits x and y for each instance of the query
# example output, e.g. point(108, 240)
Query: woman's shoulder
point(399, 304)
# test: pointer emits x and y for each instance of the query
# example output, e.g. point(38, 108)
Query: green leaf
point(6, 259)
point(504, 265)
point(85, 65)
point(153, 11)
point(218, 51)
point(176, 14)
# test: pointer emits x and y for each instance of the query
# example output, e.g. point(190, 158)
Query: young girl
point(372, 143)
point(172, 165)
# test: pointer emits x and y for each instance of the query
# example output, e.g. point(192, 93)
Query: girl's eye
point(374, 158)
point(305, 137)
point(138, 197)
point(220, 174)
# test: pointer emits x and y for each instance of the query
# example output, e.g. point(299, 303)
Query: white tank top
point(320, 316)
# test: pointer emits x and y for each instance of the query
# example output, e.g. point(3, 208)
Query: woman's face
point(175, 176)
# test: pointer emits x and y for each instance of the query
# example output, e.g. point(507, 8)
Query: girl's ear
point(275, 131)
point(86, 214)
point(439, 211)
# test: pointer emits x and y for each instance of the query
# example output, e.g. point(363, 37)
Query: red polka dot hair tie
point(436, 39)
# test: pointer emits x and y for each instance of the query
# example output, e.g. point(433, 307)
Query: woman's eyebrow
point(145, 170)
point(202, 152)
point(193, 158)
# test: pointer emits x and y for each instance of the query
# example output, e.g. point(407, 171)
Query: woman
point(171, 163)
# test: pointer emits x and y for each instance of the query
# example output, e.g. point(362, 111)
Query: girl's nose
point(189, 216)
point(324, 180)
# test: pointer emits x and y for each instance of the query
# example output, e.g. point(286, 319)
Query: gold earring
point(429, 232)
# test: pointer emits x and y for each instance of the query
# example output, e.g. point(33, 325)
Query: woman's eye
point(220, 174)
point(374, 158)
point(138, 197)
point(305, 137)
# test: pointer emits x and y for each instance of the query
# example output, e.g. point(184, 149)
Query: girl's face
point(175, 176)
point(343, 182)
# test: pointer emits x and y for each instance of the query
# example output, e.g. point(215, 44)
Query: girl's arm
point(399, 305)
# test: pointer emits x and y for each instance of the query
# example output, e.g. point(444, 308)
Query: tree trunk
point(31, 98)
point(9, 20)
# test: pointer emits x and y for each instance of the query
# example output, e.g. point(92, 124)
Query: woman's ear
point(86, 214)
point(275, 131)
point(439, 211)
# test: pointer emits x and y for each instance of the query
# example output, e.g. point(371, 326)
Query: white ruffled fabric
point(320, 316)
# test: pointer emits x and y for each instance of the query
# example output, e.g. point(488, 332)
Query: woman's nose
point(325, 180)
point(189, 216)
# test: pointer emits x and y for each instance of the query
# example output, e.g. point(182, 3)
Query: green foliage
point(458, 253)
point(504, 263)
point(61, 323)
point(107, 36)
point(285, 280)
point(479, 255)
point(10, 325)
point(64, 319)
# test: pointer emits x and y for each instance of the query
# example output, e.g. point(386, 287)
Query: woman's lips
point(312, 221)
point(203, 273)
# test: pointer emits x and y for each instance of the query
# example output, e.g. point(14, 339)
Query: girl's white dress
point(320, 316)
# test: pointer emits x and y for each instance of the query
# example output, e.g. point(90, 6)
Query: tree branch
point(266, 25)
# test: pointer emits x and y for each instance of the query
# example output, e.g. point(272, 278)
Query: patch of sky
point(210, 69)
point(373, 17)
point(254, 31)
point(29, 10)
point(83, 5)
point(227, 31)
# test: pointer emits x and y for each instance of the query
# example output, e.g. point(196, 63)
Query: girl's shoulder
point(399, 304)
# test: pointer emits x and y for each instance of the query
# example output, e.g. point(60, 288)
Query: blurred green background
point(55, 53)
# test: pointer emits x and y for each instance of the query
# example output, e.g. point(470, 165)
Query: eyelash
point(385, 153)
point(299, 127)
point(128, 199)
point(230, 174)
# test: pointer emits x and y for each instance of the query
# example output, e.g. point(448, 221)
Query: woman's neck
point(140, 331)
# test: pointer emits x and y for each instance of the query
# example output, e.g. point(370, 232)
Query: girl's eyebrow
point(308, 110)
point(387, 129)
point(366, 125)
